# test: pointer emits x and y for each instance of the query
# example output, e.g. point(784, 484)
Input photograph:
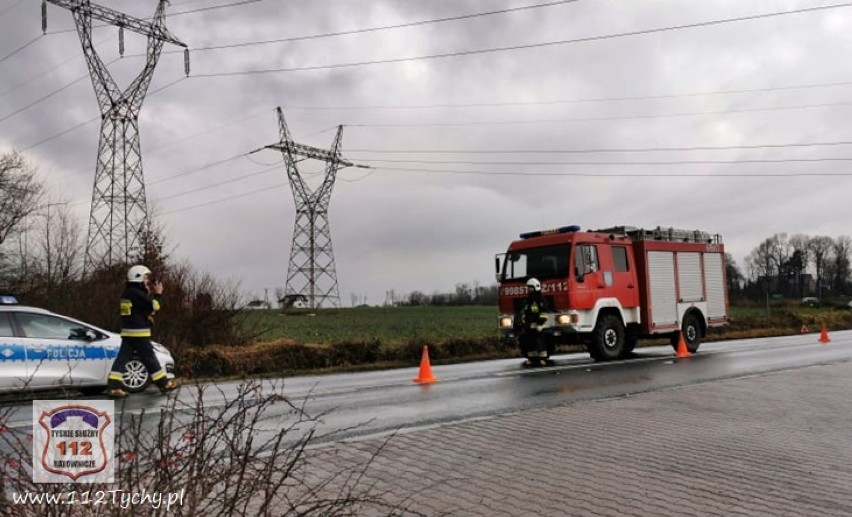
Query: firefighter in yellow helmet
point(533, 316)
point(139, 301)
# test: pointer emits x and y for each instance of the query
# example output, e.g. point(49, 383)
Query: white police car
point(40, 350)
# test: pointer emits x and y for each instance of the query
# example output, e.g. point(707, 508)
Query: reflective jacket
point(533, 315)
point(137, 310)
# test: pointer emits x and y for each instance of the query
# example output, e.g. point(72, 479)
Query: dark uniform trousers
point(142, 348)
point(137, 311)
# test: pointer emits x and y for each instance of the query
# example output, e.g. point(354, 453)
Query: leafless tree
point(20, 192)
point(819, 248)
point(840, 264)
point(61, 250)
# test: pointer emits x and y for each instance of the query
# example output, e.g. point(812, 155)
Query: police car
point(40, 349)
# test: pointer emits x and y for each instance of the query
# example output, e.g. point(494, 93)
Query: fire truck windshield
point(540, 263)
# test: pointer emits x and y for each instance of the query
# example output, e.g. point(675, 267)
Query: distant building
point(293, 301)
point(257, 305)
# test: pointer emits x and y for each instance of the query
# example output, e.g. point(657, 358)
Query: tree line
point(799, 265)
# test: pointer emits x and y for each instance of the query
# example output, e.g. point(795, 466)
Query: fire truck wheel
point(608, 341)
point(691, 331)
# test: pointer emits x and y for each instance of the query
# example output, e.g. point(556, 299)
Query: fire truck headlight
point(506, 322)
point(566, 319)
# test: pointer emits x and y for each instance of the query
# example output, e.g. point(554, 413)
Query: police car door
point(59, 352)
point(13, 364)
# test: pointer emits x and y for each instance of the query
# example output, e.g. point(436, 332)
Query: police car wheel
point(135, 376)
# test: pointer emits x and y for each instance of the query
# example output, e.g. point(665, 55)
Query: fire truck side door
point(587, 285)
point(603, 271)
point(623, 276)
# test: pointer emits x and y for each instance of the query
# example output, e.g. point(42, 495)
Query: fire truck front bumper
point(558, 324)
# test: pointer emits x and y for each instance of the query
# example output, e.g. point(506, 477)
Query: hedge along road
point(376, 403)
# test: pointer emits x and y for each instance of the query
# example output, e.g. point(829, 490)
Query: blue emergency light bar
point(563, 229)
point(7, 299)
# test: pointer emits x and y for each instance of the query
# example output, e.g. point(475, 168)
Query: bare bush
point(44, 270)
point(235, 455)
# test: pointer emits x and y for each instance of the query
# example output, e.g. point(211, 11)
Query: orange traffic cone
point(681, 346)
point(823, 336)
point(425, 376)
point(805, 329)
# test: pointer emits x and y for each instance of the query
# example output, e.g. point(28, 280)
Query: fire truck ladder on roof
point(664, 234)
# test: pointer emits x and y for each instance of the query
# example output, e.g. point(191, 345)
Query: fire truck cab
point(608, 288)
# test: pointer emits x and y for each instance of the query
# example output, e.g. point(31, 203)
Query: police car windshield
point(540, 263)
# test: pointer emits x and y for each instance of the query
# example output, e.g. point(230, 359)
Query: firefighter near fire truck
point(607, 289)
point(530, 325)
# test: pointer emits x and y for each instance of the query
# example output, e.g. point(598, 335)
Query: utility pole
point(311, 271)
point(119, 211)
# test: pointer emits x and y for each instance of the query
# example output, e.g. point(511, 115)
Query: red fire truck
point(608, 288)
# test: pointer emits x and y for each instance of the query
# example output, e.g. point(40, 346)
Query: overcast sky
point(427, 220)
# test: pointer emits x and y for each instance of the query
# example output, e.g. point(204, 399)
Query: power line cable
point(168, 15)
point(536, 174)
point(603, 149)
point(579, 174)
point(16, 4)
point(228, 198)
point(209, 130)
point(61, 133)
point(27, 44)
point(57, 65)
point(599, 119)
point(40, 100)
point(502, 104)
point(570, 101)
point(219, 184)
point(383, 28)
point(89, 121)
point(200, 168)
point(66, 86)
point(619, 175)
point(528, 46)
point(611, 163)
point(214, 7)
point(188, 137)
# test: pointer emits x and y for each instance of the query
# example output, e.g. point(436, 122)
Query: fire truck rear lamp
point(562, 229)
point(505, 322)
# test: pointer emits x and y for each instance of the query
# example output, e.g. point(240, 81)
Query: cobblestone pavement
point(773, 444)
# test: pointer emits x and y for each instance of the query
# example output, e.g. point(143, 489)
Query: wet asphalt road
point(374, 403)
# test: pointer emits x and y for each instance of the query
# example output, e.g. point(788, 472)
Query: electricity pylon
point(119, 214)
point(311, 270)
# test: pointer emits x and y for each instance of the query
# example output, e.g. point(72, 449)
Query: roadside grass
point(370, 338)
point(390, 325)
